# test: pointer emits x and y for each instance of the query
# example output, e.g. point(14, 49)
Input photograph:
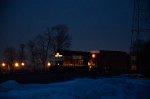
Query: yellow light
point(22, 64)
point(93, 55)
point(48, 64)
point(16, 64)
point(58, 55)
point(89, 64)
point(90, 67)
point(3, 64)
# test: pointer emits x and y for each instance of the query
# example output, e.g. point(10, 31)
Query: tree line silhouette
point(37, 51)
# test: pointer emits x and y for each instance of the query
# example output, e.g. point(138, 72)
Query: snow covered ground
point(122, 87)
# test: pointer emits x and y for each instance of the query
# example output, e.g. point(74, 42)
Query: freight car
point(111, 61)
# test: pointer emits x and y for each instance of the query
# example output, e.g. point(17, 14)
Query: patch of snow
point(8, 85)
point(106, 88)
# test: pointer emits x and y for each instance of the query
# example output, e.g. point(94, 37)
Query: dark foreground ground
point(45, 77)
point(58, 75)
point(51, 77)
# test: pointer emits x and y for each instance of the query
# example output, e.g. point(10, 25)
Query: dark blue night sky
point(93, 24)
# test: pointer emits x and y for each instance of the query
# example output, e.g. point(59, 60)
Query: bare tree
point(32, 53)
point(39, 49)
point(61, 38)
point(22, 52)
point(41, 45)
point(48, 45)
point(10, 55)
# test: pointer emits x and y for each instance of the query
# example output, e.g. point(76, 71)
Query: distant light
point(16, 64)
point(90, 67)
point(3, 64)
point(93, 55)
point(58, 64)
point(89, 64)
point(58, 55)
point(22, 64)
point(48, 64)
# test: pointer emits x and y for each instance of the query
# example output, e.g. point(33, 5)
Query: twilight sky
point(93, 24)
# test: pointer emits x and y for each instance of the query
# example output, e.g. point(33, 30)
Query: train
point(98, 61)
